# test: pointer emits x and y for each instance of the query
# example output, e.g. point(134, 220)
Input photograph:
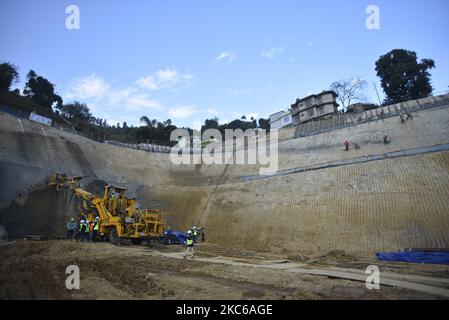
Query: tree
point(41, 91)
point(76, 110)
point(349, 91)
point(8, 75)
point(210, 124)
point(150, 123)
point(264, 124)
point(145, 120)
point(402, 77)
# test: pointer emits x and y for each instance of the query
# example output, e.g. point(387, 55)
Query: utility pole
point(377, 93)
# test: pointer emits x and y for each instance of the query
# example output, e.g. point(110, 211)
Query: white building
point(280, 119)
point(315, 106)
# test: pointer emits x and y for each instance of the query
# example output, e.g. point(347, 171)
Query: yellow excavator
point(119, 216)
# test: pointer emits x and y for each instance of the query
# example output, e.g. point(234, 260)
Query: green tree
point(146, 121)
point(264, 124)
point(210, 124)
point(76, 110)
point(41, 91)
point(402, 77)
point(8, 75)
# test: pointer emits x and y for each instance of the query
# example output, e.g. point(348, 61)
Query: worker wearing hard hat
point(190, 245)
point(71, 227)
point(87, 230)
point(83, 232)
point(195, 233)
point(96, 227)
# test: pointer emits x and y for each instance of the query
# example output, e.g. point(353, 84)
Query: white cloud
point(131, 99)
point(272, 53)
point(225, 56)
point(212, 112)
point(142, 101)
point(91, 86)
point(118, 96)
point(100, 96)
point(182, 111)
point(164, 79)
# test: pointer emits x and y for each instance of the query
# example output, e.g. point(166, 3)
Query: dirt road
point(36, 270)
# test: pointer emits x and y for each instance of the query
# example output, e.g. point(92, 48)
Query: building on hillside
point(280, 119)
point(314, 106)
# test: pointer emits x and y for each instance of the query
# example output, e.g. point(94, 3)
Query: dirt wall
point(382, 205)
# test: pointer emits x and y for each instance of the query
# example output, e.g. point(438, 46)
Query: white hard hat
point(190, 231)
point(82, 221)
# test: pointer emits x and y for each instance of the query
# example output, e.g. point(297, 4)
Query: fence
point(347, 120)
point(142, 146)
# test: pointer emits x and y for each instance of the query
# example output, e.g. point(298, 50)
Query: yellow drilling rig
point(119, 216)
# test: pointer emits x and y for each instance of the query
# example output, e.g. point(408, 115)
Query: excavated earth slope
point(364, 207)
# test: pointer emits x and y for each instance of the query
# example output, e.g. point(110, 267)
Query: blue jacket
point(71, 225)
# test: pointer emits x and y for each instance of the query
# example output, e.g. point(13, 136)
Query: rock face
point(366, 207)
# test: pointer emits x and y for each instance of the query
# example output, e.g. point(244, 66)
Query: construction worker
point(356, 146)
point(346, 143)
point(82, 231)
point(87, 230)
point(387, 139)
point(409, 116)
point(71, 227)
point(195, 233)
point(96, 227)
point(111, 200)
point(190, 245)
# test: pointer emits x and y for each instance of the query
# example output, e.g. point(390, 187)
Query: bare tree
point(349, 91)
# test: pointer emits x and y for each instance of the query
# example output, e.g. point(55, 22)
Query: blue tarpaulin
point(174, 236)
point(415, 257)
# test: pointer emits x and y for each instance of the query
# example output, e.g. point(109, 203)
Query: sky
point(191, 60)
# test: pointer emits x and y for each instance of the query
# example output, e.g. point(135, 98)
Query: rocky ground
point(36, 270)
